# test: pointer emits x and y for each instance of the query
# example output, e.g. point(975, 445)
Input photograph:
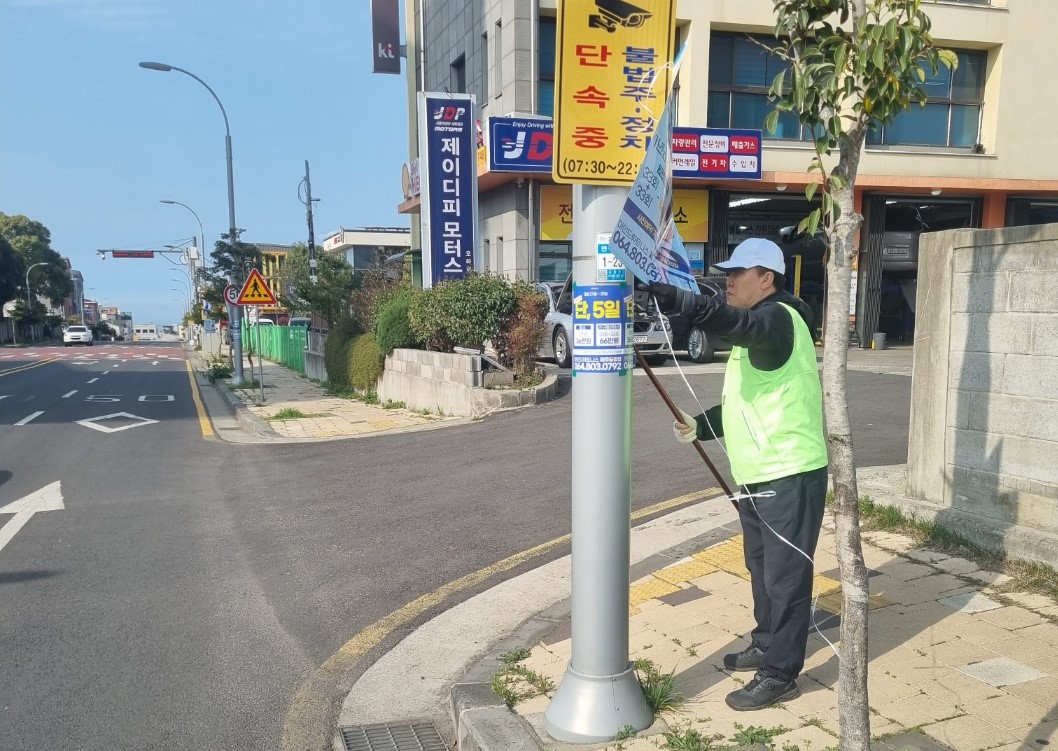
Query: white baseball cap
point(756, 251)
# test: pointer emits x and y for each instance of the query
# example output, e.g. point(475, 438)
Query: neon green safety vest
point(773, 419)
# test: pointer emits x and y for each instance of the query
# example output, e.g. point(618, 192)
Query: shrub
point(464, 313)
point(392, 326)
point(373, 289)
point(365, 363)
point(336, 353)
point(520, 335)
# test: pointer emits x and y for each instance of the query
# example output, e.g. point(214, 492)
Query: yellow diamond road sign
point(611, 79)
point(256, 291)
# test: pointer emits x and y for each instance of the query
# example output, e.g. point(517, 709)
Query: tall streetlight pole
point(201, 234)
point(236, 311)
point(29, 298)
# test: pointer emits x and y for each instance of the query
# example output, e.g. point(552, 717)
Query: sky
point(90, 142)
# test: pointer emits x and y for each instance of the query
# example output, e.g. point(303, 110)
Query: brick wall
point(983, 448)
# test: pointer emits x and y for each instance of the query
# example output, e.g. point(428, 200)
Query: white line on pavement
point(25, 420)
point(93, 380)
point(68, 394)
point(105, 372)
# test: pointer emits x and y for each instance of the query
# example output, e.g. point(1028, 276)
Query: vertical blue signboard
point(449, 186)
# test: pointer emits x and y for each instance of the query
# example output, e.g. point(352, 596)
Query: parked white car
point(649, 328)
point(77, 335)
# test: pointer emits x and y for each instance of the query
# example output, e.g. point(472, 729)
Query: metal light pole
point(201, 234)
point(29, 299)
point(236, 311)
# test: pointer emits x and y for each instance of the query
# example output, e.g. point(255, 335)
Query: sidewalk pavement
point(324, 416)
point(958, 658)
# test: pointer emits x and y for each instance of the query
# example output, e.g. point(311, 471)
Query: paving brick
point(959, 652)
point(917, 710)
point(1045, 632)
point(1008, 712)
point(970, 602)
point(806, 737)
point(884, 689)
point(1012, 617)
point(1002, 671)
point(960, 689)
point(967, 733)
point(1042, 692)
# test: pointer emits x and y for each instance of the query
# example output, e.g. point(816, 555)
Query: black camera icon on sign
point(614, 13)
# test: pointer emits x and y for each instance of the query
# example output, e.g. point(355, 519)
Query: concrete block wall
point(983, 445)
point(450, 384)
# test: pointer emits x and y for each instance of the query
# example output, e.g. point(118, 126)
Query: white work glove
point(686, 430)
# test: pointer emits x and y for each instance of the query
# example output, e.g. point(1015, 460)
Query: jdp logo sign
point(517, 145)
point(448, 183)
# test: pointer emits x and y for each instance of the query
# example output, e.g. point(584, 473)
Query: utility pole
point(308, 218)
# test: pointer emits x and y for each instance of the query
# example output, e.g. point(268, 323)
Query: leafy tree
point(329, 296)
point(31, 240)
point(11, 270)
point(852, 65)
point(232, 262)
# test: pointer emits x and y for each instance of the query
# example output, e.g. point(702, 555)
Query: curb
point(248, 421)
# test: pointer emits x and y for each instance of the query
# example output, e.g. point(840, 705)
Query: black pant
point(780, 576)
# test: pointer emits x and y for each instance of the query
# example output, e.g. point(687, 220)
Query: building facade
point(974, 156)
point(369, 247)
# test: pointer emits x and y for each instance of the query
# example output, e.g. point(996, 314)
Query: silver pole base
point(592, 709)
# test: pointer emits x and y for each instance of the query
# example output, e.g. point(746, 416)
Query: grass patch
point(515, 682)
point(747, 736)
point(624, 733)
point(251, 384)
point(293, 413)
point(1026, 575)
point(659, 688)
point(393, 404)
point(689, 739)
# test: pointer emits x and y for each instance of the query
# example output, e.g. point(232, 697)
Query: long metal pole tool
point(679, 418)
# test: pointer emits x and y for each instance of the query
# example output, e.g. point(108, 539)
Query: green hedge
point(336, 353)
point(365, 363)
point(462, 313)
point(393, 327)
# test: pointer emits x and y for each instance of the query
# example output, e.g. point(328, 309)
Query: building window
point(458, 83)
point(952, 114)
point(484, 72)
point(555, 261)
point(545, 87)
point(497, 58)
point(741, 70)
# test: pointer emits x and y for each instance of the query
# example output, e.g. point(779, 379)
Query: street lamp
point(29, 299)
point(236, 311)
point(201, 234)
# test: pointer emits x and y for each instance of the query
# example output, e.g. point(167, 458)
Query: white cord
point(745, 493)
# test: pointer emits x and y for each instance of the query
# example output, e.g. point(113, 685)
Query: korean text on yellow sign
point(611, 80)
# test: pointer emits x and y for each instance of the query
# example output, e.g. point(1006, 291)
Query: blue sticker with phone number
point(602, 328)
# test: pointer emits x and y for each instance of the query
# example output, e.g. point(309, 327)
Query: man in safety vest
point(771, 417)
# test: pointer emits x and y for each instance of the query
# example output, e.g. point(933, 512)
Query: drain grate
point(421, 737)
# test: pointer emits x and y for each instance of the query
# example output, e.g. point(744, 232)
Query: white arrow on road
point(48, 498)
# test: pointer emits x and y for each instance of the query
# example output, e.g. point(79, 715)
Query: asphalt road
point(189, 586)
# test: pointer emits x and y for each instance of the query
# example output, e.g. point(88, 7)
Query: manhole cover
point(422, 737)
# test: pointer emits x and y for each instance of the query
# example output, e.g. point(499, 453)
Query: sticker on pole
point(256, 291)
point(608, 267)
point(602, 328)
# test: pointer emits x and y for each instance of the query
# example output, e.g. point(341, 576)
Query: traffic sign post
point(231, 294)
point(255, 291)
point(612, 77)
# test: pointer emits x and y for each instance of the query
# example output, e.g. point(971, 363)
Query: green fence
point(282, 344)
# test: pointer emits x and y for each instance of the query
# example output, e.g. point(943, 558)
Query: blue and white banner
point(449, 186)
point(646, 239)
point(602, 328)
point(520, 145)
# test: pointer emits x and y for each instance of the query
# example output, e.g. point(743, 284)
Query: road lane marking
point(203, 419)
point(68, 394)
point(312, 703)
point(48, 498)
point(137, 422)
point(93, 380)
point(28, 366)
point(105, 372)
point(29, 418)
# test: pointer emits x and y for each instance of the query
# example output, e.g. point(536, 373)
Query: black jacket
point(765, 330)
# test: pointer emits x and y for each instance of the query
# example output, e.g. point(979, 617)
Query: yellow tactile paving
point(727, 556)
point(650, 590)
point(684, 572)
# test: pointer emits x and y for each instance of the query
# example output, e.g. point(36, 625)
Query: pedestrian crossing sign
point(256, 291)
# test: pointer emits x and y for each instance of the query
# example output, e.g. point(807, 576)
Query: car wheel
point(560, 342)
point(66, 344)
point(699, 348)
point(89, 344)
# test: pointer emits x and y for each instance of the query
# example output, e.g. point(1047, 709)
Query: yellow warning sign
point(256, 291)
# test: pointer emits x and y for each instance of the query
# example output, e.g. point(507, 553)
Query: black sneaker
point(749, 659)
point(761, 692)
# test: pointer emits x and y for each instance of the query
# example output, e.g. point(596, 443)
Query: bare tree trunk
point(853, 711)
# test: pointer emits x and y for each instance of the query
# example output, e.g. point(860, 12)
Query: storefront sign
point(519, 145)
point(449, 185)
point(556, 212)
point(716, 154)
point(690, 210)
point(611, 79)
point(602, 328)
